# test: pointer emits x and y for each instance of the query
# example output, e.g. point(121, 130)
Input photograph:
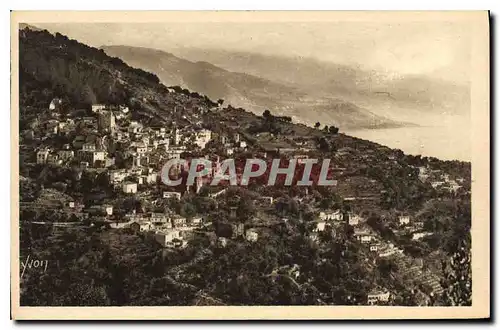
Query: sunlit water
point(446, 142)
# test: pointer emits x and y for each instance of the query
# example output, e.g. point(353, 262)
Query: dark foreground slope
point(56, 66)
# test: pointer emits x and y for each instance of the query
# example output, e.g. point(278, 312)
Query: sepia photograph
point(250, 165)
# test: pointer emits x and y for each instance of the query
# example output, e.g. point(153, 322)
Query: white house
point(423, 174)
point(116, 176)
point(202, 137)
point(167, 238)
point(378, 296)
point(453, 186)
point(54, 103)
point(196, 221)
point(314, 237)
point(129, 187)
point(92, 156)
point(332, 215)
point(98, 107)
point(160, 217)
point(124, 109)
point(172, 194)
point(139, 147)
point(137, 217)
point(135, 127)
point(363, 236)
point(177, 136)
point(108, 209)
point(88, 146)
point(353, 219)
point(179, 221)
point(119, 225)
point(420, 235)
point(404, 219)
point(320, 226)
point(436, 184)
point(42, 155)
point(294, 271)
point(221, 241)
point(251, 235)
point(389, 251)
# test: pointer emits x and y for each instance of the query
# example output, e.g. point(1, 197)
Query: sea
point(445, 142)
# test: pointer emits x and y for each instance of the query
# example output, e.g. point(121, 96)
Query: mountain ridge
point(245, 90)
point(352, 83)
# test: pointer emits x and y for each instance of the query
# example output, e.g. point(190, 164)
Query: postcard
point(226, 165)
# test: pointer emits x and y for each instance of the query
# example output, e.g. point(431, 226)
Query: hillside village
point(90, 181)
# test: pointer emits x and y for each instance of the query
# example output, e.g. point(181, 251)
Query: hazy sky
point(440, 49)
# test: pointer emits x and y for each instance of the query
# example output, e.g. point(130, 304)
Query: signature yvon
point(33, 263)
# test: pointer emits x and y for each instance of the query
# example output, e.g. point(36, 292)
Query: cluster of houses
point(109, 128)
point(406, 227)
point(413, 228)
point(332, 219)
point(234, 230)
point(138, 141)
point(337, 216)
point(439, 180)
point(232, 143)
point(170, 230)
point(145, 148)
point(365, 234)
point(385, 249)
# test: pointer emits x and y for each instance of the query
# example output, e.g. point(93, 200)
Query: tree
point(458, 283)
point(246, 208)
point(333, 130)
point(386, 267)
point(266, 114)
point(324, 145)
point(317, 125)
point(188, 210)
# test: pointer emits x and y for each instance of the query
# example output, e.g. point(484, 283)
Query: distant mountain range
point(306, 89)
point(303, 101)
point(350, 83)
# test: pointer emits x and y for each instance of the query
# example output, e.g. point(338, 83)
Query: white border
point(189, 5)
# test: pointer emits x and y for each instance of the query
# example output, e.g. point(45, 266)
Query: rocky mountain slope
point(56, 66)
